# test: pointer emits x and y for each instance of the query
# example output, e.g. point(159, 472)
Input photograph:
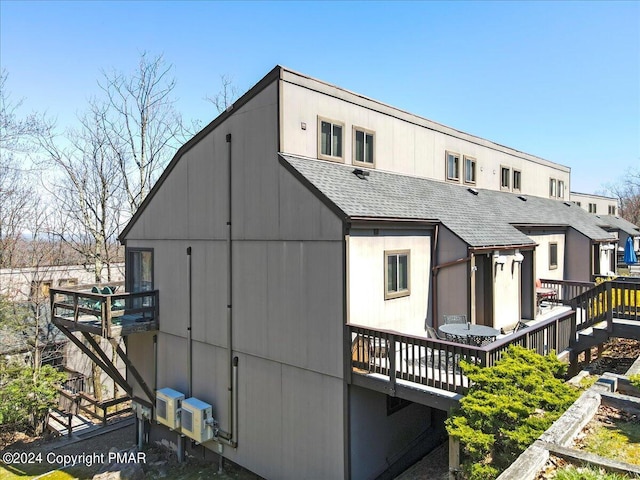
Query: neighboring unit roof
point(618, 223)
point(592, 195)
point(481, 218)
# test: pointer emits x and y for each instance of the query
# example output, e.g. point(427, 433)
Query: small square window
point(552, 188)
point(469, 170)
point(453, 167)
point(363, 146)
point(396, 276)
point(330, 140)
point(517, 180)
point(505, 177)
point(553, 256)
point(39, 290)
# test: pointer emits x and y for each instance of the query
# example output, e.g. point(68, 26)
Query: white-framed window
point(453, 166)
point(553, 188)
point(553, 256)
point(560, 189)
point(517, 180)
point(612, 210)
point(593, 208)
point(363, 146)
point(469, 170)
point(330, 139)
point(505, 178)
point(396, 274)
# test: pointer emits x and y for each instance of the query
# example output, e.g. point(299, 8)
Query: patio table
point(470, 334)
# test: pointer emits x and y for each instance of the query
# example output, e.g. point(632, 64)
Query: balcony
point(106, 309)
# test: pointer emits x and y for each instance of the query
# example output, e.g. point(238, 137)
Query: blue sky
point(560, 80)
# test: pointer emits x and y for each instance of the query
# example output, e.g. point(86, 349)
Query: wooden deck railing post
point(391, 354)
point(107, 307)
point(69, 424)
point(574, 323)
point(609, 300)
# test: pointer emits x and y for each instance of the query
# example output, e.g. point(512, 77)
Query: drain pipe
point(233, 361)
point(189, 334)
point(434, 286)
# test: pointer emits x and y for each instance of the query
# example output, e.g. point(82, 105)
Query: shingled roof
point(481, 218)
point(617, 223)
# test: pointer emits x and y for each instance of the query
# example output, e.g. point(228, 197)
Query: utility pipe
point(189, 334)
point(434, 289)
point(232, 362)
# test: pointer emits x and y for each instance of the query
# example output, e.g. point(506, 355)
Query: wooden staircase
point(608, 310)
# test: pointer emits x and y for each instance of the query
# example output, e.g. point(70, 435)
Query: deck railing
point(566, 290)
point(436, 363)
point(75, 304)
point(606, 301)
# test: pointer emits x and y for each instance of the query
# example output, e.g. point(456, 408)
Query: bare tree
point(17, 197)
point(227, 94)
point(627, 191)
point(142, 124)
point(86, 187)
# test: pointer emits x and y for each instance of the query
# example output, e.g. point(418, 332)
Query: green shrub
point(508, 407)
point(635, 380)
point(26, 395)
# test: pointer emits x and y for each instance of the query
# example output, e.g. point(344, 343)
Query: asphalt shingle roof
point(483, 220)
point(611, 221)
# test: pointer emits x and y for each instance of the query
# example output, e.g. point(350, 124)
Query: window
point(592, 208)
point(67, 282)
point(579, 204)
point(469, 170)
point(330, 139)
point(553, 256)
point(363, 146)
point(140, 274)
point(612, 210)
point(560, 189)
point(39, 290)
point(552, 187)
point(396, 277)
point(453, 166)
point(517, 180)
point(505, 173)
point(140, 270)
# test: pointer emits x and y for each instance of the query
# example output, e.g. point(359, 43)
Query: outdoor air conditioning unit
point(197, 420)
point(168, 405)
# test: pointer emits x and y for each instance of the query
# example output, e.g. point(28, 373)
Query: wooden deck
point(87, 309)
point(106, 310)
point(428, 371)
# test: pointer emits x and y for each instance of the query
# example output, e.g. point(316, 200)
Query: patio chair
point(448, 319)
point(438, 355)
point(519, 326)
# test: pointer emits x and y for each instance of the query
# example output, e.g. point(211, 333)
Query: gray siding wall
point(287, 300)
point(378, 438)
point(577, 256)
point(452, 283)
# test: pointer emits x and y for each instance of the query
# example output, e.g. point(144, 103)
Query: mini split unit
point(191, 417)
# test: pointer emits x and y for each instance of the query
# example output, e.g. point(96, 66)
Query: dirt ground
point(158, 463)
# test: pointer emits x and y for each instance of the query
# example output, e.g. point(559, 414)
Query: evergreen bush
point(508, 407)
